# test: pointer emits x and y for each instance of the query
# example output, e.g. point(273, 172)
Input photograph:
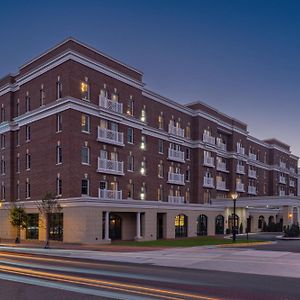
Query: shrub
point(292, 231)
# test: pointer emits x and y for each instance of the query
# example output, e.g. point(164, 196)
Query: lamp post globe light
point(234, 196)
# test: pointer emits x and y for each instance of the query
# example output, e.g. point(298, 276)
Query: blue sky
point(241, 57)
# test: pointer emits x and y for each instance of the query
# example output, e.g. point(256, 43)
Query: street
point(26, 276)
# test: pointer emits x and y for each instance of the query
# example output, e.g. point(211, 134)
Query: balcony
point(110, 136)
point(292, 170)
point(221, 166)
point(221, 145)
point(252, 190)
point(208, 139)
point(240, 150)
point(282, 165)
point(281, 193)
point(110, 166)
point(109, 194)
point(221, 185)
point(282, 179)
point(252, 156)
point(291, 194)
point(208, 182)
point(176, 199)
point(110, 105)
point(176, 130)
point(240, 187)
point(176, 178)
point(240, 169)
point(252, 173)
point(176, 155)
point(292, 183)
point(208, 161)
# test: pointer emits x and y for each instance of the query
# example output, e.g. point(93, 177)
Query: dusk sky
point(241, 57)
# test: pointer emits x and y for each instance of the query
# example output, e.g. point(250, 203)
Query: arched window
point(202, 225)
point(181, 225)
point(261, 221)
point(219, 224)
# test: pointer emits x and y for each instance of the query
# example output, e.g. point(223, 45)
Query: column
point(106, 229)
point(138, 226)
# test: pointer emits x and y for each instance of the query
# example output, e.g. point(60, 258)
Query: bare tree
point(48, 206)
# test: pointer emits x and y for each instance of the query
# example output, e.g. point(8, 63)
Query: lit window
point(143, 193)
point(143, 114)
point(85, 90)
point(130, 106)
point(143, 168)
point(85, 123)
point(143, 142)
point(85, 155)
point(84, 187)
point(160, 193)
point(160, 122)
point(188, 131)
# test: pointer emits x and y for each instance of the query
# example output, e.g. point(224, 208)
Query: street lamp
point(234, 196)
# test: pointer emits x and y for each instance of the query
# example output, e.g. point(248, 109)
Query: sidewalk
point(240, 260)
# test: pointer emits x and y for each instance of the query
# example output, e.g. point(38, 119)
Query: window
point(18, 164)
point(27, 103)
point(160, 146)
point(58, 186)
point(143, 142)
point(27, 133)
point(84, 186)
point(56, 226)
point(188, 153)
point(85, 123)
point(18, 108)
point(85, 90)
point(143, 192)
point(2, 165)
point(17, 138)
point(42, 95)
point(85, 155)
point(28, 161)
point(143, 168)
point(58, 123)
point(160, 170)
point(130, 106)
point(187, 175)
point(2, 114)
point(32, 230)
point(27, 189)
point(18, 190)
point(58, 154)
point(130, 135)
point(160, 193)
point(161, 122)
point(143, 114)
point(2, 191)
point(58, 89)
point(188, 132)
point(130, 163)
point(3, 141)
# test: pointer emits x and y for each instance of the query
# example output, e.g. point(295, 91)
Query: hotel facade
point(123, 161)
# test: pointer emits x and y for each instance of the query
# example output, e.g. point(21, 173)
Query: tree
point(18, 219)
point(48, 206)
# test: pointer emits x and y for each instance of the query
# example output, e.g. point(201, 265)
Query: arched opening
point(181, 225)
point(115, 227)
point(249, 221)
point(202, 225)
point(261, 222)
point(271, 220)
point(219, 224)
point(231, 222)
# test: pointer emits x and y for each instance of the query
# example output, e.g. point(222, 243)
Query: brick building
point(82, 125)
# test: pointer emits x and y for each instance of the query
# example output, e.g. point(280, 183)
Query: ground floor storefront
point(90, 221)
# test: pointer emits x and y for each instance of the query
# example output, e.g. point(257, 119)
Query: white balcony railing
point(252, 173)
point(110, 136)
point(110, 105)
point(221, 145)
point(208, 161)
point(109, 194)
point(240, 150)
point(176, 130)
point(221, 166)
point(208, 182)
point(292, 183)
point(240, 169)
point(282, 179)
point(240, 187)
point(291, 194)
point(252, 156)
point(110, 166)
point(208, 139)
point(221, 185)
point(176, 178)
point(281, 193)
point(292, 170)
point(176, 155)
point(282, 165)
point(176, 199)
point(252, 190)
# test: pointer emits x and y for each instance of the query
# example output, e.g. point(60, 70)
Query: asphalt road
point(32, 277)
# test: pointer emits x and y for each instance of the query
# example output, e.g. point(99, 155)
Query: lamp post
point(234, 197)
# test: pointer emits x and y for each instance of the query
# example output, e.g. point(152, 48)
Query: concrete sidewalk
point(244, 260)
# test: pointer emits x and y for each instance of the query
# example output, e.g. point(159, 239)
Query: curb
point(245, 244)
